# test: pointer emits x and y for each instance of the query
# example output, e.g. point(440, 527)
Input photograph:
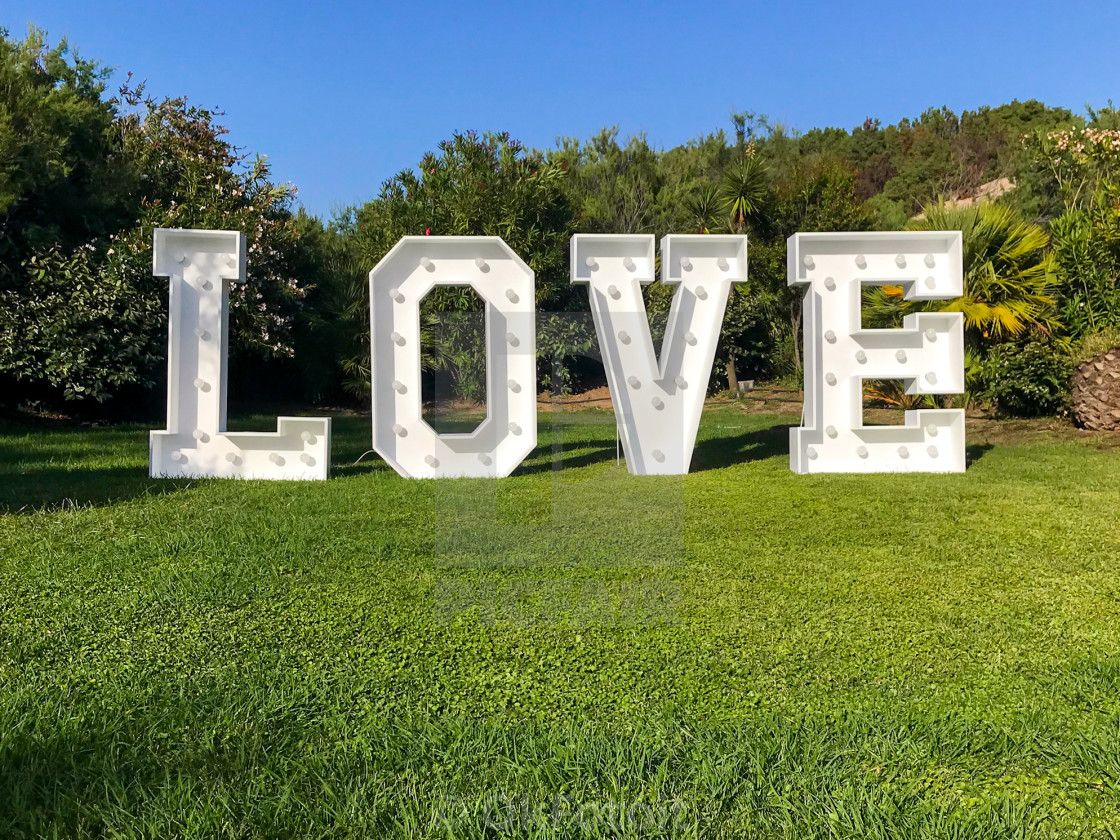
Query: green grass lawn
point(572, 652)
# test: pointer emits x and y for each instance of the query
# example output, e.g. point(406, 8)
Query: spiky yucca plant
point(744, 188)
point(705, 209)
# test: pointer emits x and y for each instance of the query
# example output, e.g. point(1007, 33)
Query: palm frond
point(1009, 274)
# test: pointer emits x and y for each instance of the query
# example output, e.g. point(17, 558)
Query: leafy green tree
point(612, 188)
point(818, 195)
point(63, 177)
point(691, 174)
point(474, 185)
point(940, 153)
point(88, 321)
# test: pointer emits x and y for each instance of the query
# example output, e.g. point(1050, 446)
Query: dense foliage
point(1028, 379)
point(1009, 281)
point(83, 185)
point(473, 186)
point(85, 177)
point(1084, 169)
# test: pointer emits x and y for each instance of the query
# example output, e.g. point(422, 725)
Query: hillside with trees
point(86, 174)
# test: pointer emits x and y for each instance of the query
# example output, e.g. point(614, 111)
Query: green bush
point(1026, 380)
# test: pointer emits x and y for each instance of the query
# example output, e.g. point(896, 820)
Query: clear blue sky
point(341, 95)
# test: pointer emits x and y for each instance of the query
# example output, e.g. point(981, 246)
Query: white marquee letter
point(927, 353)
point(658, 405)
point(201, 263)
point(397, 284)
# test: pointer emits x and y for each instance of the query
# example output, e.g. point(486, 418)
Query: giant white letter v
point(658, 404)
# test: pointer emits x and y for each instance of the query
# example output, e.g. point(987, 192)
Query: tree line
point(87, 174)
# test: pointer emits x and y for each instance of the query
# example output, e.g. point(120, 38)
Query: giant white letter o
point(397, 284)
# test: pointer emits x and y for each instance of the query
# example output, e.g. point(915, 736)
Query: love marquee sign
point(657, 398)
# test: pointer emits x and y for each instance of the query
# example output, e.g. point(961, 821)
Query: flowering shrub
point(1084, 165)
point(1080, 161)
point(196, 179)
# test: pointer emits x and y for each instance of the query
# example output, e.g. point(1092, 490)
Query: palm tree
point(1009, 278)
point(1009, 285)
point(743, 192)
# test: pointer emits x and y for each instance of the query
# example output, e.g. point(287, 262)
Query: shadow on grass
point(69, 488)
point(52, 467)
point(369, 464)
point(352, 452)
point(975, 452)
point(587, 452)
point(773, 441)
point(711, 453)
point(43, 483)
point(720, 452)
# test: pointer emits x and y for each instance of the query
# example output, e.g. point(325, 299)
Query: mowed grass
point(570, 652)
